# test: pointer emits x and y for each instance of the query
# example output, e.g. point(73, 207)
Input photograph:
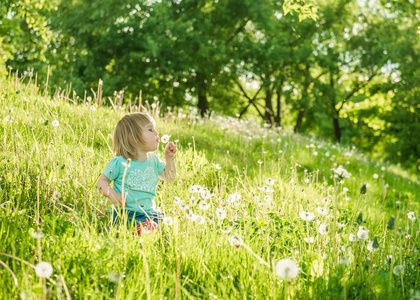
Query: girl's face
point(150, 137)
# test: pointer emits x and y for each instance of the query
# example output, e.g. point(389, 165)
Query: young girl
point(135, 171)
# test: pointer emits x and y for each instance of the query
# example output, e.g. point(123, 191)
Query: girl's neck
point(141, 156)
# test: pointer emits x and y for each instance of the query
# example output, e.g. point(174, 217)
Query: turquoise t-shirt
point(140, 182)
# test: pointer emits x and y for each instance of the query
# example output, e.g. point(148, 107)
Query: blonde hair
point(128, 134)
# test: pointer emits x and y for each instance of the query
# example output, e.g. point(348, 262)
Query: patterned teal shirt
point(140, 180)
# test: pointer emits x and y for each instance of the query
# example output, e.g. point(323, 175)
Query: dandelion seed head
point(43, 269)
point(165, 138)
point(55, 123)
point(235, 241)
point(309, 240)
point(168, 221)
point(307, 216)
point(287, 269)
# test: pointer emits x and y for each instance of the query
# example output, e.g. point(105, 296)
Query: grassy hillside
point(274, 195)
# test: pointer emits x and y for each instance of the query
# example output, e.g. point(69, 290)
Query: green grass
point(189, 260)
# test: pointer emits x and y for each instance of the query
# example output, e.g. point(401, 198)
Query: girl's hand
point(117, 200)
point(170, 150)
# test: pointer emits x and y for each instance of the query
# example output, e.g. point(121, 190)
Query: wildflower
point(114, 276)
point(89, 98)
point(363, 233)
point(55, 123)
point(306, 180)
point(168, 221)
point(227, 230)
point(352, 238)
point(204, 205)
point(322, 211)
point(218, 167)
point(270, 181)
point(260, 162)
point(236, 241)
point(287, 269)
point(410, 215)
point(43, 269)
point(322, 229)
point(92, 108)
point(205, 194)
point(341, 173)
point(398, 270)
point(344, 261)
point(125, 164)
point(233, 197)
point(194, 189)
point(309, 240)
point(177, 200)
point(220, 214)
point(199, 219)
point(165, 138)
point(268, 198)
point(38, 234)
point(307, 216)
point(375, 176)
point(56, 195)
point(190, 215)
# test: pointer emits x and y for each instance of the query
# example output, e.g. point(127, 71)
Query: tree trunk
point(268, 106)
point(335, 112)
point(277, 117)
point(203, 104)
point(299, 120)
point(337, 129)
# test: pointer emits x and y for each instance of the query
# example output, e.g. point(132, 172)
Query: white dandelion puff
point(55, 123)
point(322, 211)
point(375, 176)
point(411, 216)
point(38, 234)
point(177, 200)
point(56, 195)
point(363, 233)
point(220, 214)
point(205, 194)
point(398, 270)
point(168, 221)
point(204, 205)
point(287, 269)
point(309, 240)
point(307, 216)
point(235, 241)
point(352, 238)
point(322, 229)
point(43, 269)
point(165, 138)
point(270, 181)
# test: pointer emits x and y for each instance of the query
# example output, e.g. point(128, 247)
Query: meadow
point(255, 212)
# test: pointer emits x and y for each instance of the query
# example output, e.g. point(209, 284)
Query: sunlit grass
point(261, 195)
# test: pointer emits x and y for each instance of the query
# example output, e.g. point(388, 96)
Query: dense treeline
point(345, 70)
